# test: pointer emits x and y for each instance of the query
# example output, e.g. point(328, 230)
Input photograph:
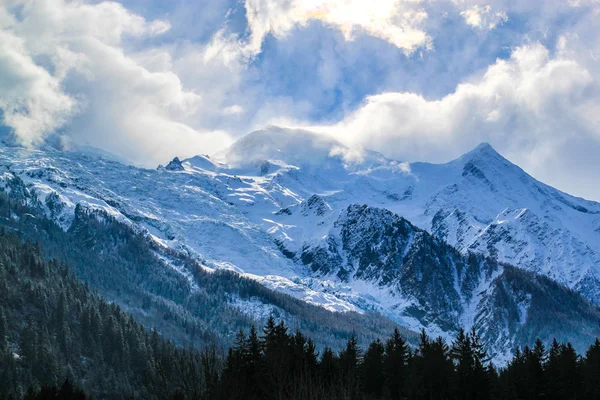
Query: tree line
point(278, 364)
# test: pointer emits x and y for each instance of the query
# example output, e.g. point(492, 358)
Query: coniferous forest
point(56, 336)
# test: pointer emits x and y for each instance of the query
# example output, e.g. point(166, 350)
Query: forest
point(59, 339)
point(277, 364)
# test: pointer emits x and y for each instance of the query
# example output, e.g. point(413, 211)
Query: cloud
point(531, 107)
point(350, 155)
point(31, 99)
point(580, 3)
point(87, 71)
point(100, 74)
point(399, 22)
point(483, 18)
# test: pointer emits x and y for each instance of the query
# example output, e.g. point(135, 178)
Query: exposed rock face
point(421, 277)
point(175, 165)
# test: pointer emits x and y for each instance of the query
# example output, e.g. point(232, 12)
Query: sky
point(417, 80)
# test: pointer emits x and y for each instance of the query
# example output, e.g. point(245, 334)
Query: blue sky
point(414, 79)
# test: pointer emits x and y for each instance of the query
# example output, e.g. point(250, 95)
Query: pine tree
point(253, 365)
point(46, 366)
point(537, 362)
point(210, 367)
point(553, 372)
point(8, 373)
point(349, 361)
point(269, 328)
point(433, 370)
point(276, 346)
point(62, 311)
point(28, 342)
point(3, 331)
point(462, 353)
point(328, 370)
point(494, 382)
point(570, 374)
point(396, 365)
point(234, 378)
point(591, 371)
point(480, 376)
point(373, 377)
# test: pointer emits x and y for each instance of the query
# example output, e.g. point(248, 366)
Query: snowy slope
point(278, 194)
point(411, 276)
point(190, 210)
point(479, 202)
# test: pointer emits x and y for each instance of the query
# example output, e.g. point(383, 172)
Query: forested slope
point(168, 290)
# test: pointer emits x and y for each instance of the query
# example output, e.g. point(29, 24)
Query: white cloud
point(530, 106)
point(350, 155)
point(484, 18)
point(580, 3)
point(31, 99)
point(67, 61)
point(397, 21)
point(102, 75)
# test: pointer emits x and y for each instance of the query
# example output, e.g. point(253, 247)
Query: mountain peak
point(292, 146)
point(202, 162)
point(484, 149)
point(483, 153)
point(175, 165)
point(299, 148)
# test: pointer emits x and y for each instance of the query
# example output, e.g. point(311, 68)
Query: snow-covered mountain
point(480, 202)
point(414, 277)
point(348, 229)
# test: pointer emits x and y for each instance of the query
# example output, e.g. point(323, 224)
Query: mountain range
point(476, 242)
